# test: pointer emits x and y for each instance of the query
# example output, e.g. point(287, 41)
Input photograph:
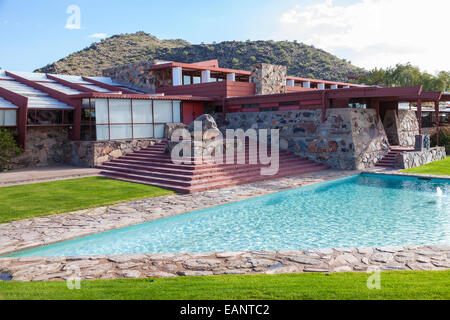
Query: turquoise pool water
point(362, 210)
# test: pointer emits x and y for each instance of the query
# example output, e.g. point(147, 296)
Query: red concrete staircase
point(389, 159)
point(154, 167)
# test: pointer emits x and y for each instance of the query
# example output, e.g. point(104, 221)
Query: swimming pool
point(358, 211)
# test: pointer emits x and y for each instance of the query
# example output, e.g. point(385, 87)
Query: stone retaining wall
point(408, 160)
point(44, 147)
point(348, 139)
point(93, 153)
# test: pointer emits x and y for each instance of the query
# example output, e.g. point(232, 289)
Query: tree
point(407, 75)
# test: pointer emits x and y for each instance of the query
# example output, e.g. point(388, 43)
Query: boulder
point(207, 121)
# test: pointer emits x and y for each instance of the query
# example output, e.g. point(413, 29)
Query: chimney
point(268, 78)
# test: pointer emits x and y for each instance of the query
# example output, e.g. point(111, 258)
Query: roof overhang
point(191, 66)
point(348, 93)
point(99, 95)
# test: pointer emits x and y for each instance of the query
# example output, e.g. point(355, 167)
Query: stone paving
point(227, 263)
point(30, 233)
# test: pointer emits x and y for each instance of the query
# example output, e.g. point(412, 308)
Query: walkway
point(35, 175)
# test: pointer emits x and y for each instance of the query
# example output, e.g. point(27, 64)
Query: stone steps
point(390, 158)
point(152, 166)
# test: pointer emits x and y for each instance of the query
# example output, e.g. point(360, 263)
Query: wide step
point(152, 166)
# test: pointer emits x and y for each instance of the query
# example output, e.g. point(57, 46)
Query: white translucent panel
point(10, 117)
point(142, 111)
point(162, 111)
point(102, 132)
point(2, 117)
point(121, 132)
point(177, 111)
point(143, 131)
point(101, 111)
point(159, 131)
point(119, 111)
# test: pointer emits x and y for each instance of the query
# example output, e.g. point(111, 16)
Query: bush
point(8, 148)
point(444, 140)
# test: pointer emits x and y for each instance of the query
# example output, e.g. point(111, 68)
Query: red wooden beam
point(21, 102)
point(436, 107)
point(419, 115)
point(69, 84)
point(73, 102)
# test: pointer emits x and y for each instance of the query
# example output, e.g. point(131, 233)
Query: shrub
point(444, 139)
point(8, 148)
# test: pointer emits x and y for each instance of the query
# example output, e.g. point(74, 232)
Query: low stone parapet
point(94, 153)
point(407, 160)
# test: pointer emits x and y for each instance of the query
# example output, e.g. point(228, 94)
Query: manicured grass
point(32, 200)
point(394, 285)
point(441, 167)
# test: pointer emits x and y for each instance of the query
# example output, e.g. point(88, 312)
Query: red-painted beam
point(436, 108)
point(22, 103)
point(69, 84)
point(73, 102)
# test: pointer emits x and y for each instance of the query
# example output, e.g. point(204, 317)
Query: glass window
point(143, 131)
point(159, 131)
point(177, 111)
point(119, 111)
point(102, 132)
point(162, 111)
point(121, 132)
point(142, 111)
point(101, 111)
point(10, 118)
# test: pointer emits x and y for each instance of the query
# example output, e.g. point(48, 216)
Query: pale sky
point(369, 33)
point(375, 33)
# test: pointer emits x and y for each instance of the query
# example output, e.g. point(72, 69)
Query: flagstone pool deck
point(36, 232)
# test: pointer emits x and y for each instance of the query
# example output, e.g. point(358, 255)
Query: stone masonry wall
point(137, 76)
point(349, 138)
point(44, 147)
point(268, 78)
point(408, 160)
point(93, 153)
point(402, 129)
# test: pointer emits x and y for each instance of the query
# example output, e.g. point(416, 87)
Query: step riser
point(191, 172)
point(223, 185)
point(207, 182)
point(209, 175)
point(171, 165)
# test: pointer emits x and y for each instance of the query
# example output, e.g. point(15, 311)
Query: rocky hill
point(301, 60)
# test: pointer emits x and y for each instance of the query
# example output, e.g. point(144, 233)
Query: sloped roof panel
point(61, 88)
point(73, 79)
point(5, 104)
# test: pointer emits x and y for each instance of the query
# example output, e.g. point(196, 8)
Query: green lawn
point(394, 285)
point(441, 167)
point(32, 200)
